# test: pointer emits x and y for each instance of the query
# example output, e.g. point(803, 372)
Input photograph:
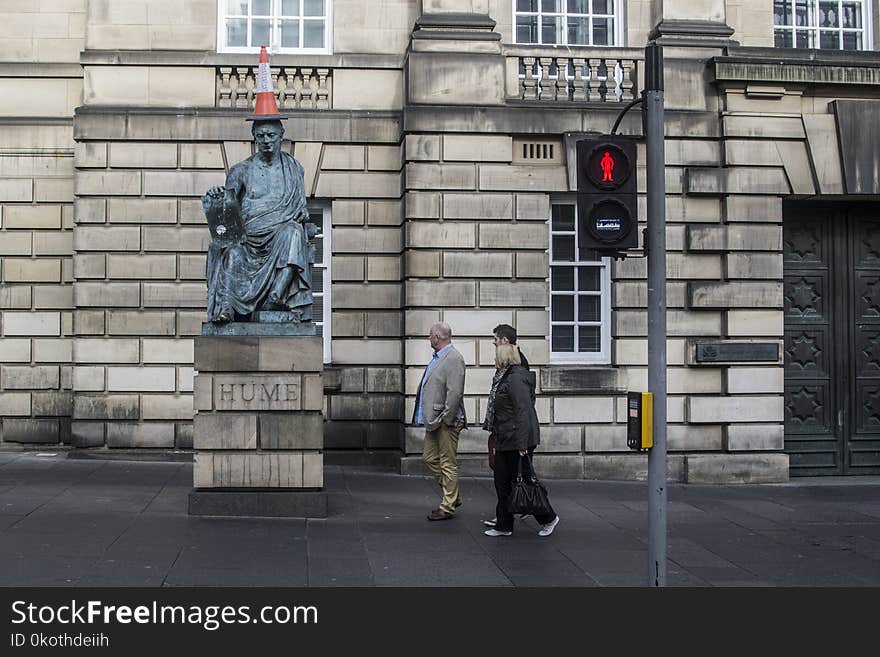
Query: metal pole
point(656, 243)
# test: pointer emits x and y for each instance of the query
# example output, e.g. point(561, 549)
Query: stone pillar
point(455, 56)
point(692, 23)
point(258, 429)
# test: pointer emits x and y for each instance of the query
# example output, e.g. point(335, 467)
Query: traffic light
point(607, 206)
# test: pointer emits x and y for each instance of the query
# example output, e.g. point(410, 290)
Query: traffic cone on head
point(267, 107)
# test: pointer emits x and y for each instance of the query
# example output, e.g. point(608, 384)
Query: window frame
point(619, 32)
point(326, 290)
point(274, 47)
point(867, 29)
point(602, 357)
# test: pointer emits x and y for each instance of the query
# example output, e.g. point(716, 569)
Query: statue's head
point(268, 135)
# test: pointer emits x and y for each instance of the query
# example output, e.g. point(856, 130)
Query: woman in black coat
point(516, 432)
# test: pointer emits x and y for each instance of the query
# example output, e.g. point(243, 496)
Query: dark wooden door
point(832, 339)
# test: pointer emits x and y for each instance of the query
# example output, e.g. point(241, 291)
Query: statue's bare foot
point(222, 318)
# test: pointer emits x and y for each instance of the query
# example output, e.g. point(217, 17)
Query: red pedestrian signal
point(607, 164)
point(607, 207)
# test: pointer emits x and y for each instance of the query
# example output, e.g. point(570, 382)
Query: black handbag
point(528, 497)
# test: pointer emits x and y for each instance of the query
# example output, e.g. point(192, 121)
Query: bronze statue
point(260, 255)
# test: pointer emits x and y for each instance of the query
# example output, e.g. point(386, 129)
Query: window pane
point(828, 14)
point(527, 29)
point(313, 7)
point(236, 32)
point(563, 248)
point(261, 8)
point(579, 31)
point(553, 6)
point(589, 308)
point(578, 6)
point(313, 34)
point(588, 279)
point(319, 250)
point(602, 32)
point(562, 308)
point(829, 39)
point(562, 338)
point(852, 41)
point(563, 217)
point(260, 32)
point(527, 5)
point(562, 278)
point(317, 280)
point(290, 7)
point(589, 338)
point(602, 7)
point(804, 12)
point(782, 38)
point(551, 29)
point(236, 7)
point(804, 38)
point(782, 12)
point(852, 14)
point(290, 34)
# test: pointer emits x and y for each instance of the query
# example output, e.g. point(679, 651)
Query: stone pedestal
point(258, 428)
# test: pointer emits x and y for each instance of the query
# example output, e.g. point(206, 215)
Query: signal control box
point(640, 420)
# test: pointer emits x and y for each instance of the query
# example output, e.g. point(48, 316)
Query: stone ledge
point(573, 379)
point(789, 65)
point(693, 33)
point(213, 59)
point(241, 329)
point(736, 468)
point(111, 122)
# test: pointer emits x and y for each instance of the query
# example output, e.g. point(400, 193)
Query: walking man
point(440, 409)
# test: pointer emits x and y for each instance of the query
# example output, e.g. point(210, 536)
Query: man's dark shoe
point(439, 514)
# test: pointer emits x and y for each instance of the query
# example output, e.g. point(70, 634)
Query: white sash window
point(822, 24)
point(283, 26)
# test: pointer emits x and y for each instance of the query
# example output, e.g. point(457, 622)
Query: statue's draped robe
point(241, 276)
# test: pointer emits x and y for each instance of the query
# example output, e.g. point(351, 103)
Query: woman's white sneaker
point(547, 529)
point(495, 532)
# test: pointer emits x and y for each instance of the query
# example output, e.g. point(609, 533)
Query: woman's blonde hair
point(506, 355)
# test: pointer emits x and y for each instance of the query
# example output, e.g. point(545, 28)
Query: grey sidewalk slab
point(69, 522)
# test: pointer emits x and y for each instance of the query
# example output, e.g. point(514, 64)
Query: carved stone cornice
point(790, 66)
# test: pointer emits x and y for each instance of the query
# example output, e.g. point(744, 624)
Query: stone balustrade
point(296, 87)
point(585, 75)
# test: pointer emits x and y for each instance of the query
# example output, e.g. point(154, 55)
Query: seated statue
point(260, 252)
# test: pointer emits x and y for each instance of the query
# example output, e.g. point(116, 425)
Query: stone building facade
point(437, 138)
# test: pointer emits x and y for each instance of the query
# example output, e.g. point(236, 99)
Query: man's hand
point(523, 452)
point(213, 197)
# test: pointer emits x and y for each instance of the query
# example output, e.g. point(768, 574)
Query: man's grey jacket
point(442, 393)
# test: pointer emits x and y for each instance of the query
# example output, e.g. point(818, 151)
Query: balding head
point(440, 335)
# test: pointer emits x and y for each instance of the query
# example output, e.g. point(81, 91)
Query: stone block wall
point(476, 242)
point(36, 295)
point(140, 241)
point(364, 386)
point(139, 267)
point(40, 85)
point(42, 32)
point(152, 24)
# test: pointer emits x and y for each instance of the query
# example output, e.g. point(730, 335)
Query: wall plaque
point(720, 352)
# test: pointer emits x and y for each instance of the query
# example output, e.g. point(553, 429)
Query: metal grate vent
point(532, 151)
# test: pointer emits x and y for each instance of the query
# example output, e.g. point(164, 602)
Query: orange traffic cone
point(267, 107)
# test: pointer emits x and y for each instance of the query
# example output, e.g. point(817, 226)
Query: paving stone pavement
point(95, 522)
